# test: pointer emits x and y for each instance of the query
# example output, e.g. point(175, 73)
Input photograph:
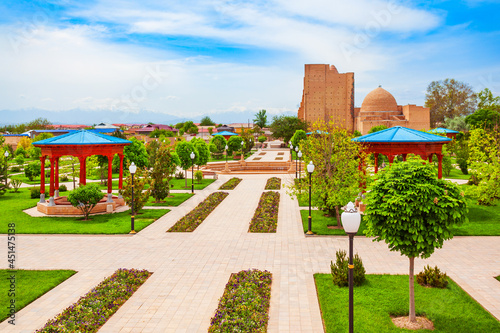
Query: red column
point(82, 170)
point(376, 162)
point(51, 191)
point(404, 157)
point(57, 174)
point(430, 158)
point(110, 174)
point(42, 175)
point(440, 166)
point(120, 181)
point(391, 158)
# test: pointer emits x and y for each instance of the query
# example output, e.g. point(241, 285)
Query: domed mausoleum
point(329, 95)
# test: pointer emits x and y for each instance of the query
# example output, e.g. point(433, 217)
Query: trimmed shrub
point(432, 277)
point(340, 270)
point(15, 169)
point(64, 178)
point(179, 175)
point(35, 192)
point(198, 175)
point(62, 188)
point(462, 164)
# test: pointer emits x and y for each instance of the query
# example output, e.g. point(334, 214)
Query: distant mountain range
point(91, 117)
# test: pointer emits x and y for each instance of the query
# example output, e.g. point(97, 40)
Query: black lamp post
point(132, 169)
point(192, 155)
point(310, 169)
point(6, 154)
point(351, 220)
point(296, 161)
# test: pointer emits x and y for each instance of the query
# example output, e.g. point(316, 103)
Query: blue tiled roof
point(442, 130)
point(225, 133)
point(82, 137)
point(400, 134)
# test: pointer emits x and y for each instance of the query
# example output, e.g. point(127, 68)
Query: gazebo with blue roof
point(402, 141)
point(448, 132)
point(81, 144)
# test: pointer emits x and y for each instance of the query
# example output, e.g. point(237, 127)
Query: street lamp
point(300, 162)
point(132, 169)
point(310, 169)
point(350, 221)
point(6, 154)
point(296, 161)
point(192, 155)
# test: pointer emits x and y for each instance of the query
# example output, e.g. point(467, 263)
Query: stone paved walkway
point(191, 269)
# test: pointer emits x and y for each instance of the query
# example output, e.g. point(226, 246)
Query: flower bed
point(273, 183)
point(93, 309)
point(230, 184)
point(193, 219)
point(244, 306)
point(265, 218)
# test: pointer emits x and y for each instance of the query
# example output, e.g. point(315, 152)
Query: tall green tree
point(457, 124)
point(377, 128)
point(285, 126)
point(260, 119)
point(141, 195)
point(336, 178)
point(161, 174)
point(183, 150)
point(152, 148)
point(487, 101)
point(484, 160)
point(203, 152)
point(413, 211)
point(484, 118)
point(136, 152)
point(449, 98)
point(206, 121)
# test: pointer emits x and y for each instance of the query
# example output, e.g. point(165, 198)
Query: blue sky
point(128, 60)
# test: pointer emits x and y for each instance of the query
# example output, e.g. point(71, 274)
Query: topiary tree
point(85, 198)
point(298, 137)
point(136, 152)
point(262, 138)
point(234, 144)
point(141, 196)
point(183, 150)
point(220, 143)
point(413, 211)
point(203, 152)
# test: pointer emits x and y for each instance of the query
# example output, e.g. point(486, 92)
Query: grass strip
point(173, 200)
point(230, 184)
point(265, 218)
point(320, 223)
point(93, 309)
point(244, 306)
point(194, 218)
point(273, 183)
point(450, 309)
point(13, 204)
point(30, 285)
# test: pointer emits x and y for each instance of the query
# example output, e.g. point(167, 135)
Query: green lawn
point(456, 174)
point(12, 204)
point(320, 223)
point(35, 181)
point(30, 285)
point(450, 309)
point(176, 200)
point(483, 220)
point(95, 177)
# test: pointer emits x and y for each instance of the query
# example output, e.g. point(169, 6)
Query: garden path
point(191, 269)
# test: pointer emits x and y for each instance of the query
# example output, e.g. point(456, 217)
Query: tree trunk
point(412, 318)
point(185, 178)
point(337, 214)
